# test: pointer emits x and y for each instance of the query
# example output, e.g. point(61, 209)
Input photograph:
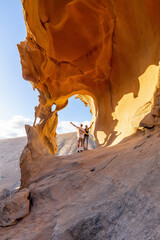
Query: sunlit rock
point(32, 156)
point(107, 52)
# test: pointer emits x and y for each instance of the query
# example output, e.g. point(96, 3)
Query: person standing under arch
point(86, 136)
point(80, 136)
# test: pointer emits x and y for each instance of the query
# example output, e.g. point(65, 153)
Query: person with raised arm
point(80, 136)
point(86, 136)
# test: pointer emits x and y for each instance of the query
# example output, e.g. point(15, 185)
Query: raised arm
point(91, 125)
point(73, 124)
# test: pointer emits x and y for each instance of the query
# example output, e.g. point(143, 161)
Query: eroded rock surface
point(103, 194)
point(107, 52)
point(33, 155)
point(14, 208)
point(10, 152)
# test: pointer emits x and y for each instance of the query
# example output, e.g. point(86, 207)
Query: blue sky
point(17, 98)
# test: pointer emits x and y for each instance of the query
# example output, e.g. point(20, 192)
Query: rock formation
point(108, 193)
point(106, 52)
point(10, 152)
point(15, 208)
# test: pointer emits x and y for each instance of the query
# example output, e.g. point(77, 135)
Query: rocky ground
point(103, 194)
point(11, 149)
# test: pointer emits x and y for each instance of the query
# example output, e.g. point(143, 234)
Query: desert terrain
point(11, 149)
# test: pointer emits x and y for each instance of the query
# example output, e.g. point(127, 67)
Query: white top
point(80, 132)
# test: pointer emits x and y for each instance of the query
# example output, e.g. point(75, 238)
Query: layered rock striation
point(106, 52)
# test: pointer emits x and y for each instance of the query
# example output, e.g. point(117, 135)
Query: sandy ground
point(10, 151)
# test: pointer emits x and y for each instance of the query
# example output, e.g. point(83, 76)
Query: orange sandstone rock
point(107, 52)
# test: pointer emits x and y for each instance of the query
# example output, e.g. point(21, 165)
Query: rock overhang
point(106, 52)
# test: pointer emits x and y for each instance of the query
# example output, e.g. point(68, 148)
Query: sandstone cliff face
point(107, 52)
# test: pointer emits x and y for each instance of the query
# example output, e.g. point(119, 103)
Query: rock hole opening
point(53, 107)
point(37, 120)
point(67, 138)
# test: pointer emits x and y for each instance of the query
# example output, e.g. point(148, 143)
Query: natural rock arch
point(105, 51)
